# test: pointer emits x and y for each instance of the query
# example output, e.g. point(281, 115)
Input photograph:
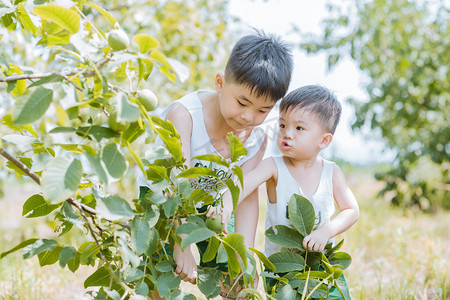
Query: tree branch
point(22, 167)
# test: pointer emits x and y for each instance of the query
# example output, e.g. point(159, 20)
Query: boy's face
point(239, 107)
point(300, 135)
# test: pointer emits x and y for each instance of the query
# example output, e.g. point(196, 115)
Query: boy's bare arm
point(252, 180)
point(181, 119)
point(348, 214)
point(247, 213)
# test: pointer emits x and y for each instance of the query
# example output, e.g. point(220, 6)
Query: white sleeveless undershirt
point(322, 200)
point(200, 141)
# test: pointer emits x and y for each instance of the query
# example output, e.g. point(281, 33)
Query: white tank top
point(201, 143)
point(322, 200)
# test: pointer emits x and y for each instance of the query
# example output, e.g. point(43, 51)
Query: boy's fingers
point(178, 269)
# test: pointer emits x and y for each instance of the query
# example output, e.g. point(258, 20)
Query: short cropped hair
point(317, 100)
point(262, 63)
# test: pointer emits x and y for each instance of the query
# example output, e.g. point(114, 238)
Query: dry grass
point(396, 255)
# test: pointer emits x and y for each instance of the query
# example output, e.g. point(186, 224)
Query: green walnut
point(216, 224)
point(118, 40)
point(148, 99)
point(115, 125)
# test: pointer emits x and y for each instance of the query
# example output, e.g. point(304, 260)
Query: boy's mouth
point(285, 145)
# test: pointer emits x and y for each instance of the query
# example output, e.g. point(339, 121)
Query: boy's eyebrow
point(245, 98)
point(296, 121)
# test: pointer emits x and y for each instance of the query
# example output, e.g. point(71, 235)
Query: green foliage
point(296, 272)
point(402, 48)
point(59, 129)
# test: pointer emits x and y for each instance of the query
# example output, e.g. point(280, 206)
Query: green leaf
point(196, 197)
point(208, 281)
point(38, 247)
point(234, 245)
point(234, 190)
point(285, 237)
point(98, 132)
point(66, 254)
point(36, 206)
point(334, 249)
point(140, 234)
point(211, 249)
point(20, 246)
point(153, 241)
point(287, 261)
point(7, 120)
point(96, 164)
point(66, 18)
point(74, 263)
point(212, 158)
point(238, 172)
point(25, 20)
point(126, 110)
point(197, 172)
point(301, 214)
point(172, 144)
point(237, 149)
point(142, 288)
point(341, 258)
point(267, 263)
point(113, 208)
point(104, 13)
point(27, 110)
point(165, 266)
point(88, 252)
point(113, 160)
point(61, 179)
point(195, 236)
point(156, 173)
point(145, 42)
point(49, 257)
point(167, 125)
point(285, 292)
point(101, 277)
point(313, 274)
point(133, 132)
point(171, 205)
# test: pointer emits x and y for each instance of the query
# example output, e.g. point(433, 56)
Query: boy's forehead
point(299, 114)
point(246, 93)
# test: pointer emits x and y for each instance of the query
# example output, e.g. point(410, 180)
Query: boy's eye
point(263, 111)
point(299, 128)
point(282, 126)
point(242, 104)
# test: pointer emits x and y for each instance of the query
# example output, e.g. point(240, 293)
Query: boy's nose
point(247, 117)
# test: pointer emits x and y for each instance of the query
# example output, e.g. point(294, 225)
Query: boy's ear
point(220, 79)
point(326, 140)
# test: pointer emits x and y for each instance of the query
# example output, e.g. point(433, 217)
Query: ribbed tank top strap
point(326, 179)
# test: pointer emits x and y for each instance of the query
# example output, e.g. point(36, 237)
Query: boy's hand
point(317, 240)
point(186, 264)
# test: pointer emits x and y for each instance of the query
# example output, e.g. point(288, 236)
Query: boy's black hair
point(318, 100)
point(262, 63)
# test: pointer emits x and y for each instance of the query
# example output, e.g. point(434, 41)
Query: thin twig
point(22, 167)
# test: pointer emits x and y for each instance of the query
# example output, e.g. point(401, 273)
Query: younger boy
point(257, 75)
point(308, 119)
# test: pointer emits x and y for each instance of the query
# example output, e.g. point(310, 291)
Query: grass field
point(396, 254)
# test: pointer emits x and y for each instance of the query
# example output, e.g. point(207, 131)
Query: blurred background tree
point(194, 33)
point(403, 49)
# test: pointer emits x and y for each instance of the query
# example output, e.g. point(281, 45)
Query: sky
point(277, 16)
